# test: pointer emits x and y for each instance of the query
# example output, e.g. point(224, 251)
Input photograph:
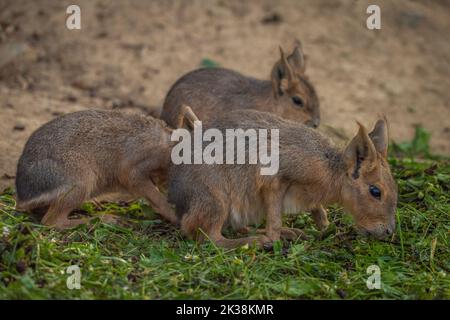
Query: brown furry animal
point(217, 91)
point(84, 154)
point(312, 172)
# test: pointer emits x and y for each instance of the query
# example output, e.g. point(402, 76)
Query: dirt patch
point(128, 53)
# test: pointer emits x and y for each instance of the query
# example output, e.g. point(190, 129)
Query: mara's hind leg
point(320, 217)
point(59, 210)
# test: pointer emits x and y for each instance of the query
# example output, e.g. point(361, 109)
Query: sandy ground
point(128, 53)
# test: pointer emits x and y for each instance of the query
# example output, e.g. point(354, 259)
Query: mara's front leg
point(273, 197)
point(320, 217)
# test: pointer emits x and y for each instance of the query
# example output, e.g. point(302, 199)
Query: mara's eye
point(298, 101)
point(375, 192)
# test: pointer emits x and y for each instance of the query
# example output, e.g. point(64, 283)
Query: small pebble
point(71, 98)
point(273, 18)
point(19, 127)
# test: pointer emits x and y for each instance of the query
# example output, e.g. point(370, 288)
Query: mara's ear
point(380, 136)
point(282, 75)
point(297, 58)
point(359, 153)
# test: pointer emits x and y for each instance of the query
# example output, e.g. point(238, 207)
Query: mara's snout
point(379, 231)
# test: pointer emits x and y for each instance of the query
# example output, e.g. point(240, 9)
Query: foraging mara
point(312, 172)
point(83, 154)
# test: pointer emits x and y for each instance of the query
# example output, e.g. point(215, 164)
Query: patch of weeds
point(417, 147)
point(208, 63)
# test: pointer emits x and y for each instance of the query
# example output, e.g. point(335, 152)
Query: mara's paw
point(292, 234)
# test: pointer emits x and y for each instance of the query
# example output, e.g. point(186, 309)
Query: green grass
point(209, 63)
point(146, 258)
